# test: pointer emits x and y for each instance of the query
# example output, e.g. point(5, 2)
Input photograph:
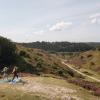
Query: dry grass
point(44, 88)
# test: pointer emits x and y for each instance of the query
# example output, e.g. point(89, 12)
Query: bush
point(70, 72)
point(89, 56)
point(60, 72)
point(92, 63)
point(97, 92)
point(39, 66)
point(81, 57)
point(24, 54)
point(39, 54)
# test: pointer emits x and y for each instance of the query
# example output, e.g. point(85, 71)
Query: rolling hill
point(88, 62)
point(48, 78)
point(37, 61)
point(29, 60)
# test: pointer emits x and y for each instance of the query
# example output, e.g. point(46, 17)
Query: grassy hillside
point(92, 60)
point(39, 62)
point(29, 60)
point(88, 62)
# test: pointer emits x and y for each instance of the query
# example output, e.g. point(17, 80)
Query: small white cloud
point(95, 15)
point(95, 18)
point(93, 21)
point(60, 26)
point(41, 32)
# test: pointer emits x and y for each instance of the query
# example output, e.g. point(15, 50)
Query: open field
point(44, 88)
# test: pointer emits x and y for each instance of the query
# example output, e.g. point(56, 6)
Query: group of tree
point(59, 46)
point(7, 51)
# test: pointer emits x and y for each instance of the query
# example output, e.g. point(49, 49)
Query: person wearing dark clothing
point(15, 73)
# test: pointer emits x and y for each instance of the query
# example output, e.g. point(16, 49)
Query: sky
point(50, 20)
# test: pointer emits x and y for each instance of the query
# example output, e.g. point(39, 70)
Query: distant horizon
point(61, 41)
point(54, 41)
point(57, 41)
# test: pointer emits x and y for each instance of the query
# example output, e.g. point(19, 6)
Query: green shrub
point(70, 72)
point(60, 72)
point(39, 66)
point(24, 54)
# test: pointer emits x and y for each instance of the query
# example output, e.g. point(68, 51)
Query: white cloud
point(95, 18)
point(59, 26)
point(93, 21)
point(95, 15)
point(41, 32)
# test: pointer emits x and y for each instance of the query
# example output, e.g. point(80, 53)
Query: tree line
point(59, 46)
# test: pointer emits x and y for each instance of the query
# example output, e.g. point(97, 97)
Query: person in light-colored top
point(5, 73)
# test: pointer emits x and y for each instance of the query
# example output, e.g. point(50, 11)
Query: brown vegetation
point(87, 85)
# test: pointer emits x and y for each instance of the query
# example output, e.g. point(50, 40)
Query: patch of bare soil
point(52, 92)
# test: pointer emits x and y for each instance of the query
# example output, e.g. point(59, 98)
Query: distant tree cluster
point(59, 46)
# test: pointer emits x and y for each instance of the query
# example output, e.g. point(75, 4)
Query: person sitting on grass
point(15, 72)
point(5, 73)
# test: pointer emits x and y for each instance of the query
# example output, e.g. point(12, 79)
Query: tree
point(7, 51)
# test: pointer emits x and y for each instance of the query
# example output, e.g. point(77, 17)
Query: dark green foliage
point(60, 46)
point(94, 44)
point(70, 72)
point(24, 54)
point(39, 66)
point(7, 51)
point(23, 66)
point(60, 72)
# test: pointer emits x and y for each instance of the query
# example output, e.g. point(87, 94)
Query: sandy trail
point(70, 66)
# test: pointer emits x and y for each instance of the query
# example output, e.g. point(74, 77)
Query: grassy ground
point(44, 88)
point(10, 93)
point(90, 73)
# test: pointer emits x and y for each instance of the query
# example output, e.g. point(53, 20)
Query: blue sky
point(50, 20)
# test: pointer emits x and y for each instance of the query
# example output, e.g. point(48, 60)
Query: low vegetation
point(95, 87)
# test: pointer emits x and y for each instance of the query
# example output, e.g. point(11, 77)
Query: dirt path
point(70, 66)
